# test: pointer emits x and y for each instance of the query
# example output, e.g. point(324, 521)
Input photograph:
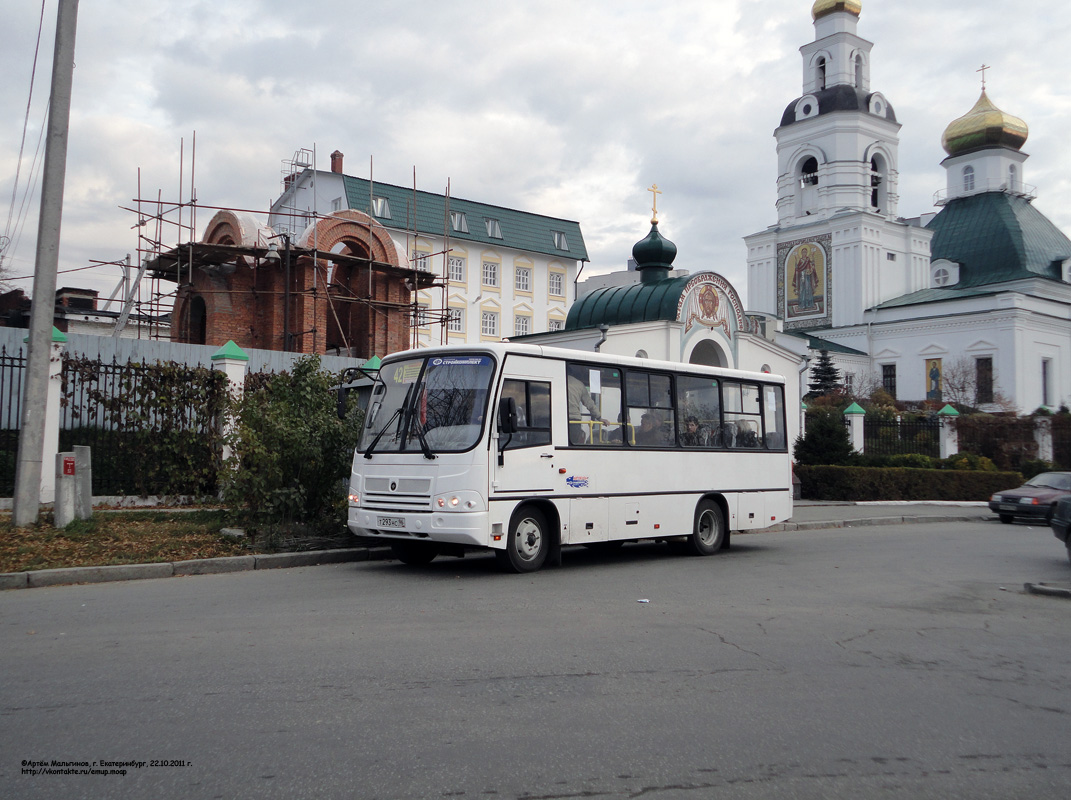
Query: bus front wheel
point(708, 533)
point(528, 541)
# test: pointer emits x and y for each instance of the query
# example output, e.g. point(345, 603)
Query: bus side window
point(594, 405)
point(698, 412)
point(533, 413)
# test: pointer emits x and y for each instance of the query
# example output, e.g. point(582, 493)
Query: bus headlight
point(458, 501)
point(354, 500)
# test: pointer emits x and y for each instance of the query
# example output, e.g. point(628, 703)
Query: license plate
point(390, 522)
point(1008, 506)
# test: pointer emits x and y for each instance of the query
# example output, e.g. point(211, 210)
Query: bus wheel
point(708, 534)
point(414, 552)
point(528, 542)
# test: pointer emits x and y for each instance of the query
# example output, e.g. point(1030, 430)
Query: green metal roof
point(520, 230)
point(814, 343)
point(997, 237)
point(937, 295)
point(621, 305)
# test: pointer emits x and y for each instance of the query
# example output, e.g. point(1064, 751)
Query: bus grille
point(400, 494)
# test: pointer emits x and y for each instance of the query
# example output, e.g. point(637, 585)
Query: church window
point(983, 380)
point(941, 277)
point(820, 77)
point(1013, 178)
point(890, 256)
point(859, 73)
point(1046, 375)
point(888, 379)
point(968, 178)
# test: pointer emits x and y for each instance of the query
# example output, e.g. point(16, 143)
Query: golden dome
point(985, 125)
point(823, 7)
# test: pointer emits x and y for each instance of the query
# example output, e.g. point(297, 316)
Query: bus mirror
point(507, 415)
point(343, 393)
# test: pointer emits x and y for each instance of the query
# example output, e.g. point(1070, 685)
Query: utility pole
point(27, 500)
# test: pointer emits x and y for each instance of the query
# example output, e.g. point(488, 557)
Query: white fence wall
point(148, 351)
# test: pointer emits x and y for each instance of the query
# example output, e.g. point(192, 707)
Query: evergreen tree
point(826, 439)
point(825, 377)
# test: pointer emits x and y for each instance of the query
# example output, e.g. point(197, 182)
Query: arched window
point(968, 178)
point(1013, 178)
point(877, 182)
point(809, 172)
point(820, 75)
point(858, 72)
point(198, 332)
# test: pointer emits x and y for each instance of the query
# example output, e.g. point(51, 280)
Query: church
point(971, 304)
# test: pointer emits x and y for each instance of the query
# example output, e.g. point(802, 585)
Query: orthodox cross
point(655, 191)
point(982, 70)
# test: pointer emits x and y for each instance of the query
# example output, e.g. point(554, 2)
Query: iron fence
point(892, 437)
point(152, 429)
point(12, 370)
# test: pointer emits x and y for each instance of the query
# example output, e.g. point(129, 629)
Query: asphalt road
point(887, 661)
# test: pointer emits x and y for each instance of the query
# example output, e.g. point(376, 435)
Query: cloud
point(561, 108)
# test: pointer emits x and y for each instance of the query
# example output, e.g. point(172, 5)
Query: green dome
point(654, 255)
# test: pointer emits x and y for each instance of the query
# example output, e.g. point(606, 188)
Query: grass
point(144, 537)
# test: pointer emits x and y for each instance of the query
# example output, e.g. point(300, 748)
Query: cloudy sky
point(559, 107)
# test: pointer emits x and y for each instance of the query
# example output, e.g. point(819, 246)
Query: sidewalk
point(807, 515)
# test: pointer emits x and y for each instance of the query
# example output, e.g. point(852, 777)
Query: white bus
point(524, 449)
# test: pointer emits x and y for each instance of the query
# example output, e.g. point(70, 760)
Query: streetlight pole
point(27, 500)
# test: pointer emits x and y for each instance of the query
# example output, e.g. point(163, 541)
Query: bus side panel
point(588, 520)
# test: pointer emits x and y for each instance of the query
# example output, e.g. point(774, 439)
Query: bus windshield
point(431, 404)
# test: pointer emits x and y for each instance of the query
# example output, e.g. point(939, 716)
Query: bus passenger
point(579, 399)
point(694, 435)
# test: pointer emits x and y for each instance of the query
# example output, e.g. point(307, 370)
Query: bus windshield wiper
point(397, 413)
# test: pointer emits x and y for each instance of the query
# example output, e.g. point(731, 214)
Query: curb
point(868, 522)
point(1045, 589)
point(207, 566)
point(312, 558)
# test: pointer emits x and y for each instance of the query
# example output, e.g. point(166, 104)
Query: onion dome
point(985, 125)
point(654, 255)
point(822, 8)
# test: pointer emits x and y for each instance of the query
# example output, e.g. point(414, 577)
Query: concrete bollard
point(63, 504)
point(83, 482)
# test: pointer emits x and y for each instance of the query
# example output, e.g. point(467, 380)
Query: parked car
point(1061, 523)
point(1034, 500)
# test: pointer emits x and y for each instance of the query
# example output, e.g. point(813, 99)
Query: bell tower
point(837, 191)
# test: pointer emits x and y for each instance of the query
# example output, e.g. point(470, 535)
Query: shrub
point(1035, 467)
point(292, 452)
point(967, 461)
point(857, 484)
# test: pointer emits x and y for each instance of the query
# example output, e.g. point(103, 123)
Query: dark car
point(1035, 499)
point(1061, 523)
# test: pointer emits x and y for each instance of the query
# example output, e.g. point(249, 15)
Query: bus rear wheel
point(415, 553)
point(528, 541)
point(708, 532)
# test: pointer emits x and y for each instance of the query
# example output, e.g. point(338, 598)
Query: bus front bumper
point(465, 528)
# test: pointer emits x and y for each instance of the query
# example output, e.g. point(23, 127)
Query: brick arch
point(358, 231)
point(236, 228)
